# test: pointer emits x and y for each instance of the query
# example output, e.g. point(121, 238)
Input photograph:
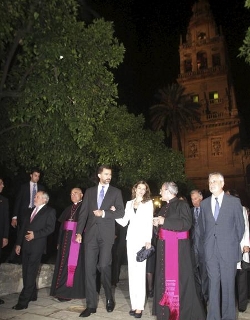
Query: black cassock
point(59, 289)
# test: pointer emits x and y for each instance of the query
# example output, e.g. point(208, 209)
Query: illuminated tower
point(205, 73)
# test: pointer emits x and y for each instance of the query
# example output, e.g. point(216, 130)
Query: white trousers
point(136, 277)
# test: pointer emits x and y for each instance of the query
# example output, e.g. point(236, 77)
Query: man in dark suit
point(99, 236)
point(24, 203)
point(32, 238)
point(4, 221)
point(200, 271)
point(222, 230)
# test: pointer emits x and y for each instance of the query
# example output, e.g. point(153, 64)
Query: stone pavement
point(47, 307)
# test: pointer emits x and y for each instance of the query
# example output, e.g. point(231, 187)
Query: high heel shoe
point(132, 312)
point(138, 315)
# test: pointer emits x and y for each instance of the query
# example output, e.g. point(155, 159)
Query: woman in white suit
point(139, 215)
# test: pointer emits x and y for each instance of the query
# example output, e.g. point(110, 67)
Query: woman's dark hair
point(146, 196)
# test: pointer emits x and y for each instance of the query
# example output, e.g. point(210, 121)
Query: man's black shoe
point(1, 301)
point(19, 307)
point(110, 305)
point(87, 312)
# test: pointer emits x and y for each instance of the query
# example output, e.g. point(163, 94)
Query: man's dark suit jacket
point(42, 225)
point(23, 200)
point(226, 232)
point(113, 197)
point(195, 234)
point(4, 219)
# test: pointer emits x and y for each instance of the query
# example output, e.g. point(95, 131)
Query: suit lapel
point(210, 206)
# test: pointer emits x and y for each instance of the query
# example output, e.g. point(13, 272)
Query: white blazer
point(140, 222)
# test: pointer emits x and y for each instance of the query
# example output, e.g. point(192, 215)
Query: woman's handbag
point(144, 253)
point(244, 264)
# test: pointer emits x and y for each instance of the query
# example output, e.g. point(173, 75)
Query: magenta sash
point(73, 252)
point(171, 296)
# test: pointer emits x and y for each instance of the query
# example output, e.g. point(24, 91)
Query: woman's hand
point(148, 245)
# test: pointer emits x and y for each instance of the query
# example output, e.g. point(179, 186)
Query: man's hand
point(161, 220)
point(18, 250)
point(79, 238)
point(158, 221)
point(98, 213)
point(14, 222)
point(5, 242)
point(245, 249)
point(29, 236)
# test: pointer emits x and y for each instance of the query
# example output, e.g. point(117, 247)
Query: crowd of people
point(195, 273)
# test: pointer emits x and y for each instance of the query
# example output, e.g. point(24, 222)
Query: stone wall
point(11, 277)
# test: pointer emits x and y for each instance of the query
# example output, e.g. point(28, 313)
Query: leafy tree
point(56, 80)
point(139, 153)
point(245, 49)
point(175, 112)
point(58, 90)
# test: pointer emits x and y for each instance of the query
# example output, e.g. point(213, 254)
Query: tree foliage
point(245, 48)
point(59, 96)
point(175, 112)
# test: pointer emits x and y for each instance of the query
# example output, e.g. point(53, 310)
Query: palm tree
point(176, 112)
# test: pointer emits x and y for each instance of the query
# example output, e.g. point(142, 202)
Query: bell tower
point(205, 74)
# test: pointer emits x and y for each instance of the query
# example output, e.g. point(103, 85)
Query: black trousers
point(30, 268)
point(241, 289)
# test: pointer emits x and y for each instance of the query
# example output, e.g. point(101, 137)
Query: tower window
point(216, 60)
point(201, 60)
point(188, 65)
point(195, 98)
point(214, 97)
point(201, 36)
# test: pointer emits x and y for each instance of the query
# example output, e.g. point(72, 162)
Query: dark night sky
point(151, 33)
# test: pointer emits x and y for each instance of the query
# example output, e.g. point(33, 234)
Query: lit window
point(195, 98)
point(214, 97)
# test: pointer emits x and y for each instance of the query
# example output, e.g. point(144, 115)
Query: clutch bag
point(144, 253)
